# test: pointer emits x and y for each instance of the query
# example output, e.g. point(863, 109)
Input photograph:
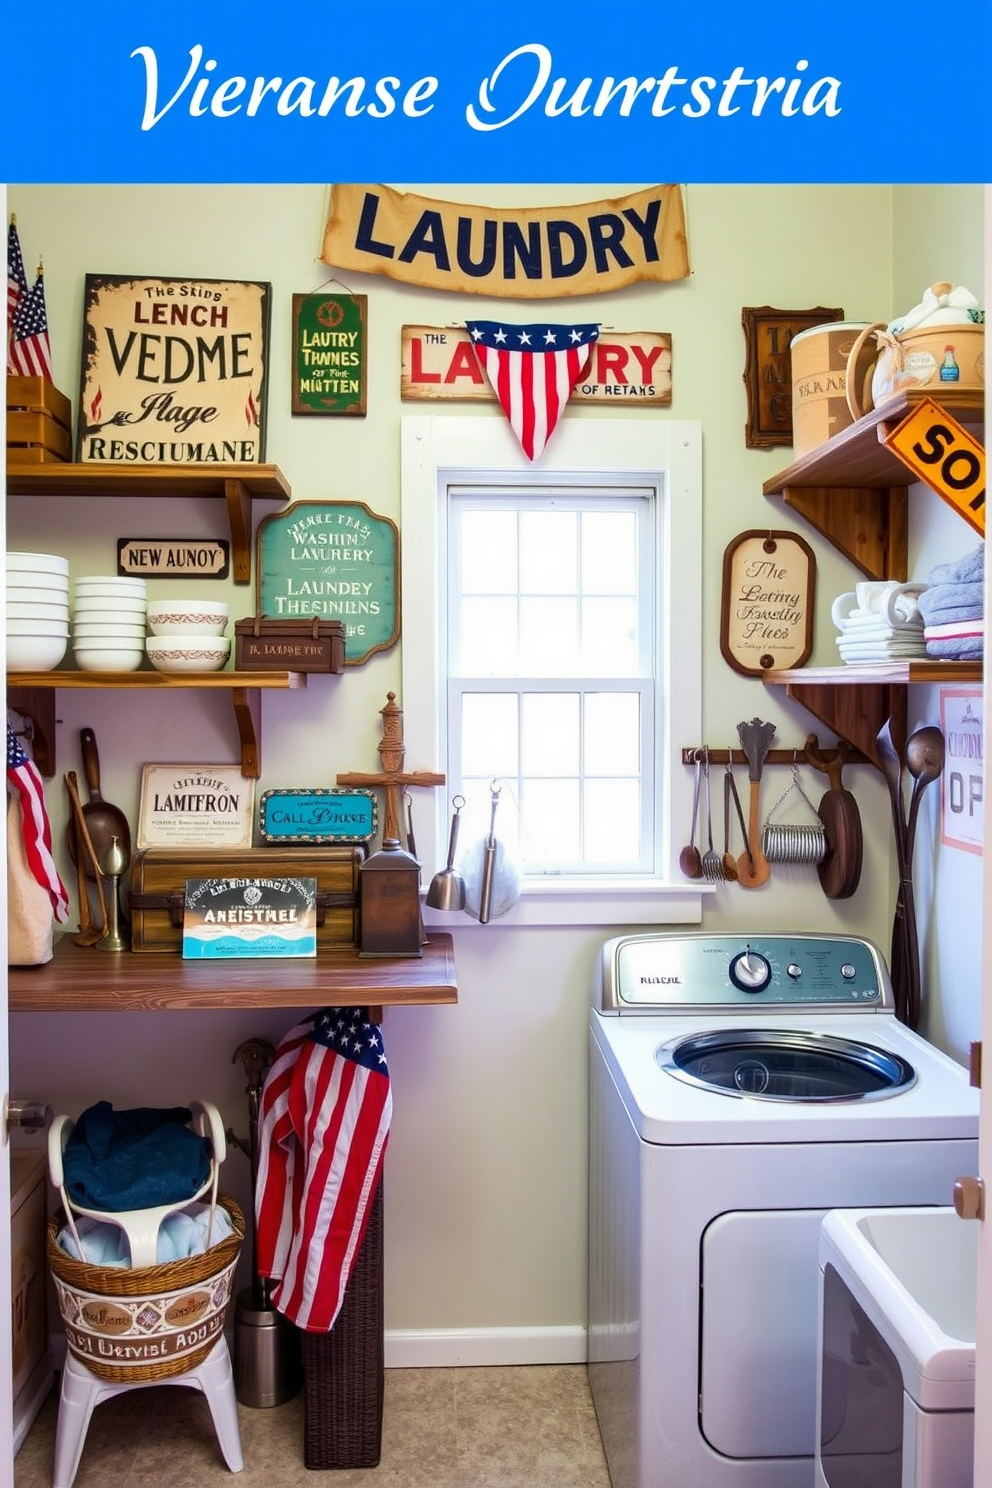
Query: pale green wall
point(486, 1172)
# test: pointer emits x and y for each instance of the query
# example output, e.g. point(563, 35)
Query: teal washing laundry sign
point(333, 561)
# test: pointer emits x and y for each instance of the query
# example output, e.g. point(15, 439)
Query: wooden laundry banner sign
point(514, 252)
point(629, 367)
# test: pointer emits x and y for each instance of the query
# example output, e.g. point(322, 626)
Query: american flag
point(323, 1126)
point(30, 353)
point(24, 782)
point(17, 283)
point(532, 370)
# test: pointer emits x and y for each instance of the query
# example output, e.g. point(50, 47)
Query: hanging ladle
point(925, 752)
point(447, 890)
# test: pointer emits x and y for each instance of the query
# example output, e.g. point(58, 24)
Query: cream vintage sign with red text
point(633, 368)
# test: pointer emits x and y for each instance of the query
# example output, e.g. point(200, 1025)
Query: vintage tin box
point(288, 645)
point(158, 877)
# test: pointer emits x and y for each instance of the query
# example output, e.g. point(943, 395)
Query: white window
point(551, 644)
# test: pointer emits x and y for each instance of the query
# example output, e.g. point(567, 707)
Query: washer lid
point(786, 1065)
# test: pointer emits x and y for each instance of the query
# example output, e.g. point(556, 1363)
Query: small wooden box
point(39, 422)
point(158, 878)
point(290, 645)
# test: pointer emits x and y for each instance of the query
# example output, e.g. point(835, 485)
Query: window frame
point(442, 450)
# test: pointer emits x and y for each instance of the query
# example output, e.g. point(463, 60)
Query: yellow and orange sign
point(940, 452)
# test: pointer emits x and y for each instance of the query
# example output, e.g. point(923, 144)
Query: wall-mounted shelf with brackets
point(854, 491)
point(33, 695)
point(236, 485)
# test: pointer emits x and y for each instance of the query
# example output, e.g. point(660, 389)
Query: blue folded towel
point(966, 570)
point(117, 1160)
point(952, 602)
point(961, 648)
point(180, 1235)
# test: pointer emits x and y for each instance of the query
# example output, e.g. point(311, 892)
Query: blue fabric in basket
point(117, 1160)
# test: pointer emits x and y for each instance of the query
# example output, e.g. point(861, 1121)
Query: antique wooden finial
point(393, 779)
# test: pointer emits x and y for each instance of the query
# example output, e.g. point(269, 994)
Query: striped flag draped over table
point(30, 353)
point(17, 283)
point(323, 1126)
point(24, 781)
point(532, 370)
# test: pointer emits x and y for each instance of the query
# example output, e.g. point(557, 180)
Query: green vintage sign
point(329, 353)
point(333, 560)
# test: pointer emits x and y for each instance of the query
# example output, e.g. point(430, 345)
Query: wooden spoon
point(753, 867)
point(89, 934)
point(690, 862)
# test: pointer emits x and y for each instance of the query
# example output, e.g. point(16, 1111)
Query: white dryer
point(741, 1087)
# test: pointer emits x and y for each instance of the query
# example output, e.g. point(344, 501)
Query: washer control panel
point(668, 972)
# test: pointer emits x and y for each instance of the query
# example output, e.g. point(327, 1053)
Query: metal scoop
point(447, 889)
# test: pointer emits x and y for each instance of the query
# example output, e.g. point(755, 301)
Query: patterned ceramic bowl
point(187, 652)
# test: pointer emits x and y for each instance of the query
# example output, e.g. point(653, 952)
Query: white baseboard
point(452, 1348)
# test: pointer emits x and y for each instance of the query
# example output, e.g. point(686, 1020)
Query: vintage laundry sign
point(962, 800)
point(329, 353)
point(766, 618)
point(332, 561)
point(174, 371)
point(513, 252)
point(629, 367)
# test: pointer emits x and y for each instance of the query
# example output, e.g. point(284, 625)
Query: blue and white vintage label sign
point(234, 918)
point(317, 816)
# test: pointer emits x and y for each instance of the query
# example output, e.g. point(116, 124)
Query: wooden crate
point(158, 878)
point(39, 422)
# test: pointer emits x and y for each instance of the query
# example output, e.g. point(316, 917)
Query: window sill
point(595, 903)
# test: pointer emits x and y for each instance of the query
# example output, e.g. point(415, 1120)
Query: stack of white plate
point(37, 611)
point(108, 623)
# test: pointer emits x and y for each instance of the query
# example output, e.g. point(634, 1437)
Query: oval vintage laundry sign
point(766, 619)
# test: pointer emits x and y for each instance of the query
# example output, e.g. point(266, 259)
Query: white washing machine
point(741, 1087)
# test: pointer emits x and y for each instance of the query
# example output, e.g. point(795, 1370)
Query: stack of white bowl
point(108, 623)
point(37, 611)
point(187, 635)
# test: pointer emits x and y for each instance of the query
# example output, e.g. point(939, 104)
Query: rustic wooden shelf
point(32, 694)
point(88, 980)
point(236, 485)
point(854, 490)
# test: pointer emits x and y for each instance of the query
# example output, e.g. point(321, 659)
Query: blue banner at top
point(848, 91)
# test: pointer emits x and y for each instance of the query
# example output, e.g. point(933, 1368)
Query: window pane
point(549, 638)
point(489, 734)
point(489, 552)
point(486, 639)
point(609, 553)
point(612, 821)
point(551, 821)
point(610, 645)
point(548, 552)
point(550, 734)
point(612, 733)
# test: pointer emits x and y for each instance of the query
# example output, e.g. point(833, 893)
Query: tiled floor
point(531, 1427)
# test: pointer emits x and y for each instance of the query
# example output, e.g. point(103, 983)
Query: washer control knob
point(750, 971)
point(794, 971)
point(848, 972)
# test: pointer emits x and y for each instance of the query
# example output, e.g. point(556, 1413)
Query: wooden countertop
point(88, 980)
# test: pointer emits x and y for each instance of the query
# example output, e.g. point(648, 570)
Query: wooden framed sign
point(174, 557)
point(187, 806)
point(333, 560)
point(174, 371)
point(330, 353)
point(317, 816)
point(768, 336)
point(766, 617)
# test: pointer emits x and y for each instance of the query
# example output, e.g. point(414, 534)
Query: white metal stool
point(82, 1390)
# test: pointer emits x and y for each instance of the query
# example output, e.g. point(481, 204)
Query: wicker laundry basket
point(144, 1323)
point(344, 1370)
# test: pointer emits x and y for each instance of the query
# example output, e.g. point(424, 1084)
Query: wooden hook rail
point(850, 756)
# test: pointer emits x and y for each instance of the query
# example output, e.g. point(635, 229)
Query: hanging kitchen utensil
point(492, 879)
point(447, 888)
point(839, 869)
point(89, 933)
point(925, 754)
point(690, 862)
point(756, 738)
point(711, 861)
point(104, 820)
point(729, 860)
point(794, 842)
point(903, 925)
